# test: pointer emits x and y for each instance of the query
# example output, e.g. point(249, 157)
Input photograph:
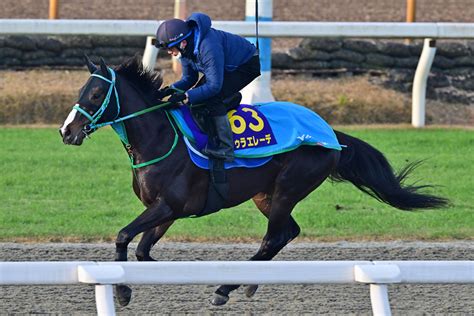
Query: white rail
point(266, 29)
point(104, 274)
point(428, 31)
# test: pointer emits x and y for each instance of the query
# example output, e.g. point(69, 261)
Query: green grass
point(49, 191)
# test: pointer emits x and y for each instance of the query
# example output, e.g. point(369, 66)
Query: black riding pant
point(234, 81)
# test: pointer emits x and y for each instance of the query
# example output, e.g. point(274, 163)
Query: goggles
point(165, 45)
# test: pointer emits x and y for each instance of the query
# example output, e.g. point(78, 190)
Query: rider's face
point(174, 50)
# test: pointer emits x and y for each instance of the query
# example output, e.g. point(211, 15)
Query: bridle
point(117, 122)
point(92, 126)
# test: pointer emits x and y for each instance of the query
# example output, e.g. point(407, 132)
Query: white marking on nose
point(68, 120)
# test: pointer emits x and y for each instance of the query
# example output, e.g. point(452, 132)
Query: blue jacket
point(216, 51)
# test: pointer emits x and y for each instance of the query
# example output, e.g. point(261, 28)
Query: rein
point(256, 23)
point(117, 122)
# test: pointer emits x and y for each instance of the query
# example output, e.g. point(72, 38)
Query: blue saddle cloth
point(202, 161)
point(261, 131)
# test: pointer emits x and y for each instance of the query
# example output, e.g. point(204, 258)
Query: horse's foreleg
point(157, 214)
point(303, 172)
point(153, 216)
point(149, 239)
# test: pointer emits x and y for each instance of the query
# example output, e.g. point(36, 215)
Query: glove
point(177, 97)
point(166, 91)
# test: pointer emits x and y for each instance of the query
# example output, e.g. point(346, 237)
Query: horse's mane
point(148, 82)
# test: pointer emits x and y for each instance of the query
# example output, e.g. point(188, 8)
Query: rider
point(228, 63)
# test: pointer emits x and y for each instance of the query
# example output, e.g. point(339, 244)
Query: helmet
point(172, 32)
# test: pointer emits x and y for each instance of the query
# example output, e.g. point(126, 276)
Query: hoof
point(219, 299)
point(123, 294)
point(250, 290)
point(145, 258)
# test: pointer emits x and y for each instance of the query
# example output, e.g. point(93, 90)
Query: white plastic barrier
point(103, 274)
point(266, 28)
point(428, 31)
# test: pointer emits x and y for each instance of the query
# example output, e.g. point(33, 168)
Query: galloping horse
point(171, 186)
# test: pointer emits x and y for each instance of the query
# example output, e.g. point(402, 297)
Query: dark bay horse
point(172, 187)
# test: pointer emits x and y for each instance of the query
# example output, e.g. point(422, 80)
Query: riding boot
point(224, 148)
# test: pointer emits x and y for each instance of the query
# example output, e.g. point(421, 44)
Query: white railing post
point(378, 276)
point(104, 299)
point(260, 89)
point(420, 81)
point(102, 276)
point(150, 54)
point(379, 300)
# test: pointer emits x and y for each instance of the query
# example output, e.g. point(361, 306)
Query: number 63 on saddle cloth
point(264, 129)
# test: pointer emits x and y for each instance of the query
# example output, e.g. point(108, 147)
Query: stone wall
point(390, 63)
point(66, 51)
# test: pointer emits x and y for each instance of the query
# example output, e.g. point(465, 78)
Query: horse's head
point(98, 102)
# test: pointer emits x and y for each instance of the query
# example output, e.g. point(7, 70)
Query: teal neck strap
point(117, 123)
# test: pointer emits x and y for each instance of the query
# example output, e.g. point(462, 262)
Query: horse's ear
point(90, 65)
point(103, 67)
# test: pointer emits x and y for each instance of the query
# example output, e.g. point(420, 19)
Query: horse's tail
point(368, 169)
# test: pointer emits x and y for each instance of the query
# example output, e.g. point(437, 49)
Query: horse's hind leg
point(300, 177)
point(269, 248)
point(149, 239)
point(263, 203)
point(303, 174)
point(281, 230)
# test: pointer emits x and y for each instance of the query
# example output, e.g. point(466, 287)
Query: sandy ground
point(270, 299)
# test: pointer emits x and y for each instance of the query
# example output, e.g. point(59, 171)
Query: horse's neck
point(150, 135)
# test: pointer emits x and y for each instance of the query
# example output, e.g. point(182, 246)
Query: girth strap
point(218, 191)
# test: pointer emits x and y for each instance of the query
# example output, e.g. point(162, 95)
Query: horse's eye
point(95, 96)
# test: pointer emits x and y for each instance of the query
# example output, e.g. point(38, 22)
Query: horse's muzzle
point(70, 138)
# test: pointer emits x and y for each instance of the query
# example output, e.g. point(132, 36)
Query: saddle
point(200, 114)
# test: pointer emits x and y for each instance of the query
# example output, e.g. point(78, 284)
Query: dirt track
point(280, 299)
point(291, 10)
